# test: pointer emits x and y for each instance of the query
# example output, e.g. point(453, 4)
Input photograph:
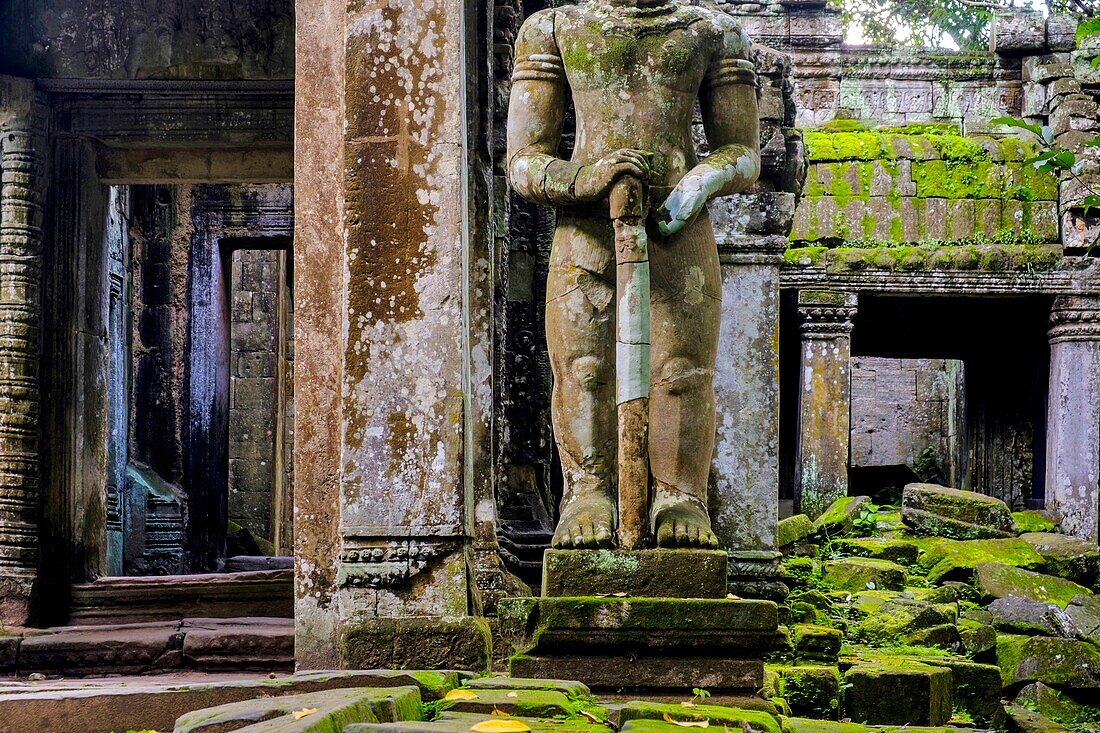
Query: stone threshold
point(125, 600)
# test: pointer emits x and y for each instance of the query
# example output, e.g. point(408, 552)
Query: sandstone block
point(955, 560)
point(122, 649)
point(861, 573)
point(648, 573)
point(411, 643)
point(994, 580)
point(909, 694)
point(1015, 615)
point(569, 688)
point(840, 517)
point(793, 530)
point(1066, 557)
point(1064, 663)
point(617, 672)
point(819, 643)
point(811, 690)
point(522, 703)
point(717, 715)
point(881, 548)
point(245, 643)
point(1021, 720)
point(945, 512)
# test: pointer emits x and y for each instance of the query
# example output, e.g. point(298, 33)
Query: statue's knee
point(590, 372)
point(680, 374)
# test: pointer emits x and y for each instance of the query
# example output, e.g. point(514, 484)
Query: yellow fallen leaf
point(513, 694)
point(620, 595)
point(687, 704)
point(299, 714)
point(501, 725)
point(687, 723)
point(460, 695)
point(591, 717)
point(498, 711)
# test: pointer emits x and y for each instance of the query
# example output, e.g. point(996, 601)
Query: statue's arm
point(536, 112)
point(732, 125)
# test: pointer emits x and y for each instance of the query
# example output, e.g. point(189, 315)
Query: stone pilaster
point(825, 394)
point(744, 500)
point(21, 196)
point(387, 230)
point(1073, 415)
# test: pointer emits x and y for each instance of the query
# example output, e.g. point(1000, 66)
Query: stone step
point(647, 573)
point(644, 672)
point(123, 600)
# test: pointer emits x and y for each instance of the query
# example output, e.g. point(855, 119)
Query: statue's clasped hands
point(686, 200)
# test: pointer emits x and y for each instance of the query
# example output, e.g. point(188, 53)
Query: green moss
point(734, 718)
point(1032, 521)
point(1023, 258)
point(1087, 28)
point(805, 256)
point(956, 559)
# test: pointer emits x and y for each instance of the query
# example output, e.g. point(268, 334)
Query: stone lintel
point(653, 573)
point(270, 164)
point(418, 642)
point(632, 672)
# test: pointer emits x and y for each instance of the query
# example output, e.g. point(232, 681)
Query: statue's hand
point(688, 198)
point(594, 181)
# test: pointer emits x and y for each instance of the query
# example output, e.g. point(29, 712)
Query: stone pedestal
point(744, 496)
point(1073, 415)
point(825, 395)
point(608, 639)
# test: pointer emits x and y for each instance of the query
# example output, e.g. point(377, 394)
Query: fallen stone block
point(955, 560)
point(634, 672)
point(122, 649)
point(810, 690)
point(906, 694)
point(881, 548)
point(1084, 611)
point(819, 643)
point(793, 530)
point(839, 518)
point(522, 703)
point(384, 643)
point(861, 573)
point(943, 636)
point(463, 722)
point(1034, 520)
point(975, 687)
point(940, 511)
point(569, 688)
point(1064, 663)
point(1066, 557)
point(315, 711)
point(716, 715)
point(994, 580)
point(888, 620)
point(1015, 615)
point(1048, 702)
point(979, 640)
point(1022, 720)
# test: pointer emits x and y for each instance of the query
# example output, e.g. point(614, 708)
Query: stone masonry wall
point(255, 399)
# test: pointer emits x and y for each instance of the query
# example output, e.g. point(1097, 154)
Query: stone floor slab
point(612, 672)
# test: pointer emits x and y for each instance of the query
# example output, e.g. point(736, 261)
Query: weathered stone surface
point(838, 519)
point(810, 690)
point(793, 529)
point(681, 625)
point(810, 725)
point(569, 688)
point(955, 560)
point(944, 636)
point(1034, 520)
point(248, 563)
point(716, 714)
point(523, 703)
point(909, 694)
point(244, 643)
point(1021, 720)
point(649, 573)
point(332, 709)
point(979, 640)
point(1000, 581)
point(859, 573)
point(1085, 614)
point(1047, 701)
point(975, 688)
point(608, 671)
point(813, 642)
point(417, 643)
point(940, 511)
point(1015, 615)
point(1063, 663)
point(1066, 557)
point(891, 618)
point(881, 548)
point(128, 648)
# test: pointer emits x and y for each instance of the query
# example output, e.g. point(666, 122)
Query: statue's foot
point(684, 524)
point(587, 523)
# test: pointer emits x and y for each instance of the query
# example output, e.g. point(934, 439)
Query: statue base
point(609, 636)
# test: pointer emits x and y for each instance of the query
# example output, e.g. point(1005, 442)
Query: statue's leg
point(580, 336)
point(686, 309)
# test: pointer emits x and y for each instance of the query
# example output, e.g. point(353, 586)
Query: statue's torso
point(634, 78)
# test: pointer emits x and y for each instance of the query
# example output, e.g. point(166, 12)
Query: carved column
point(744, 501)
point(1073, 415)
point(21, 198)
point(388, 371)
point(825, 395)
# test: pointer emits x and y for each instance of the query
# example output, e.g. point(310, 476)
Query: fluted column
point(1073, 415)
point(825, 395)
point(20, 279)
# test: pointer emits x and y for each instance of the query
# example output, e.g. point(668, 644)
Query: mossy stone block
point(717, 715)
point(522, 703)
point(838, 519)
point(452, 722)
point(569, 688)
point(955, 560)
point(1064, 663)
point(1021, 720)
point(1033, 520)
point(814, 642)
point(648, 573)
point(994, 580)
point(1066, 557)
point(975, 687)
point(812, 725)
point(939, 179)
point(862, 573)
point(943, 636)
point(811, 690)
point(941, 511)
point(1049, 702)
point(904, 694)
point(896, 618)
point(793, 530)
point(900, 551)
point(979, 640)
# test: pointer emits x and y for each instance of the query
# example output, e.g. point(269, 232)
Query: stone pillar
point(21, 195)
point(825, 395)
point(744, 501)
point(1073, 415)
point(382, 246)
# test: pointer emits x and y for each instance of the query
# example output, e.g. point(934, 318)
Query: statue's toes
point(665, 537)
point(562, 540)
point(682, 537)
point(603, 535)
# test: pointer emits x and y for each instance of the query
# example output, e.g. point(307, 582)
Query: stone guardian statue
point(634, 70)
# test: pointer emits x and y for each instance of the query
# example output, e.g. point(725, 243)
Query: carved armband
point(539, 67)
point(727, 71)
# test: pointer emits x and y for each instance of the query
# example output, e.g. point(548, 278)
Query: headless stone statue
point(635, 69)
